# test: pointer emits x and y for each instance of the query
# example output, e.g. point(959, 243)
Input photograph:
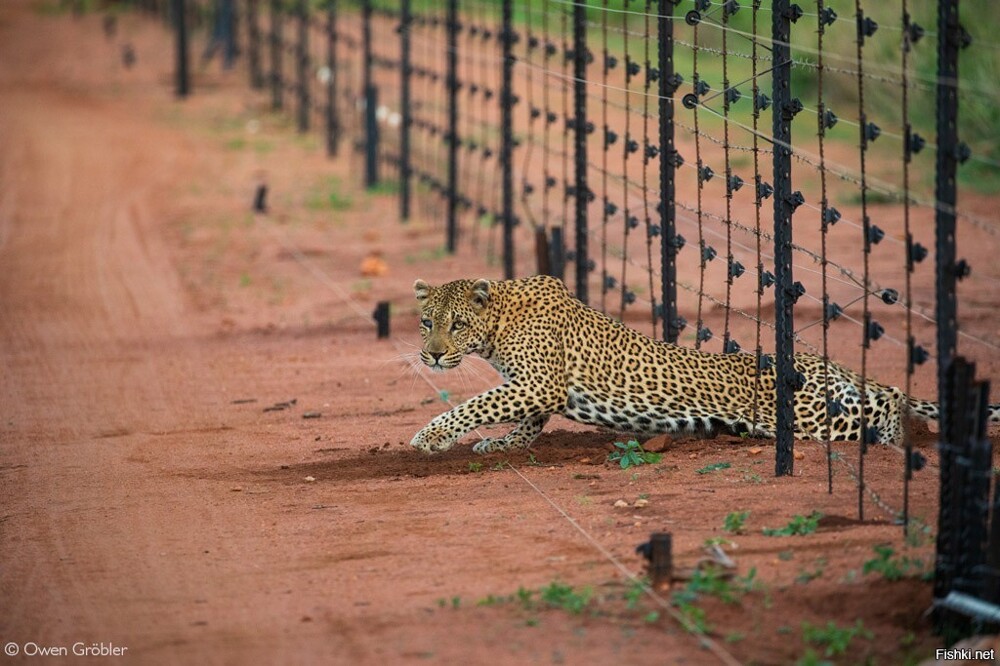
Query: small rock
point(658, 444)
point(311, 415)
point(621, 504)
point(755, 451)
point(692, 456)
point(584, 461)
point(374, 266)
point(236, 489)
point(641, 502)
point(310, 479)
point(799, 455)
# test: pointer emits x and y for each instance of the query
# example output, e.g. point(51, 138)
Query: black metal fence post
point(406, 115)
point(668, 163)
point(302, 64)
point(451, 134)
point(784, 207)
point(253, 44)
point(945, 192)
point(277, 46)
point(371, 97)
point(332, 114)
point(582, 191)
point(963, 563)
point(507, 136)
point(180, 26)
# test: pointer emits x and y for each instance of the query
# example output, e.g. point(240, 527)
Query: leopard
point(557, 355)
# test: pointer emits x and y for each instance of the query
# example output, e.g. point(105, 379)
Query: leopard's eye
point(457, 325)
point(426, 323)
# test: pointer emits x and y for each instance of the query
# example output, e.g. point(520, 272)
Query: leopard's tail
point(929, 411)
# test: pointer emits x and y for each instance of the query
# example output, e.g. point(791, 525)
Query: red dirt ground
point(150, 501)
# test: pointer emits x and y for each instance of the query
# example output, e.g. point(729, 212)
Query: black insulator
point(651, 151)
point(832, 311)
point(761, 102)
point(962, 269)
point(766, 279)
point(829, 119)
point(873, 330)
point(827, 16)
point(917, 461)
point(875, 234)
point(736, 269)
point(889, 296)
point(791, 108)
point(704, 334)
point(915, 32)
point(866, 26)
point(609, 137)
point(702, 88)
point(678, 242)
point(731, 347)
point(834, 408)
point(734, 183)
point(796, 291)
point(610, 62)
point(689, 101)
point(795, 199)
point(610, 208)
point(692, 17)
point(631, 145)
point(708, 253)
point(632, 222)
point(830, 216)
point(732, 95)
point(764, 190)
point(705, 173)
point(765, 363)
point(917, 253)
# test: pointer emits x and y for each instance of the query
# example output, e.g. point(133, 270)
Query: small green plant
point(805, 575)
point(475, 467)
point(559, 595)
point(832, 638)
point(500, 466)
point(797, 526)
point(631, 454)
point(734, 637)
point(810, 658)
point(651, 617)
point(750, 476)
point(918, 533)
point(734, 521)
point(893, 568)
point(786, 555)
point(714, 467)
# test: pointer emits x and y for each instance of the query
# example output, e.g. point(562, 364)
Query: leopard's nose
point(436, 356)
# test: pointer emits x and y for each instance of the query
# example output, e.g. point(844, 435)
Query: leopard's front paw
point(490, 445)
point(433, 440)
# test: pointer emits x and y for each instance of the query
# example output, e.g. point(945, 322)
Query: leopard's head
point(452, 320)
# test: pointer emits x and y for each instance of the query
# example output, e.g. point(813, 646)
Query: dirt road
point(149, 501)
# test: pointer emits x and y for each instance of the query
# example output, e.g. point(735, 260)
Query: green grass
point(894, 568)
point(797, 526)
point(832, 639)
point(734, 521)
point(631, 454)
point(714, 467)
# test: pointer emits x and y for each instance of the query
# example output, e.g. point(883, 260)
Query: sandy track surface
point(148, 500)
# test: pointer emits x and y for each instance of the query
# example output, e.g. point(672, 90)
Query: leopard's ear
point(421, 290)
point(479, 295)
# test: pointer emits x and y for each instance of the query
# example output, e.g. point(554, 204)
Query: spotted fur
point(559, 356)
